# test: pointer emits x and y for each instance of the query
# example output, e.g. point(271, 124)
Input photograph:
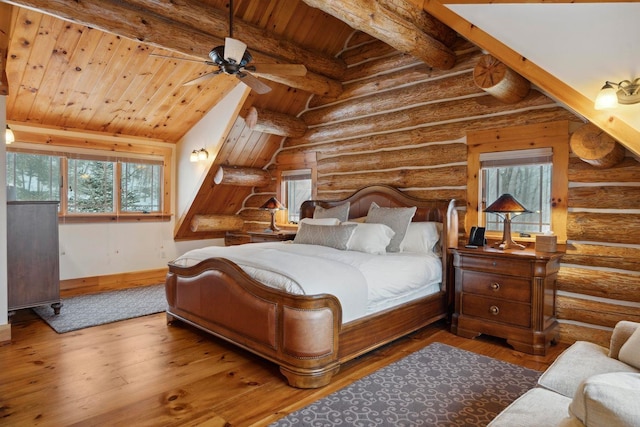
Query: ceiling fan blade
point(201, 79)
point(253, 82)
point(234, 50)
point(200, 61)
point(280, 69)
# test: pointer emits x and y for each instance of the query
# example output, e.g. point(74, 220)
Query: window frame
point(112, 152)
point(548, 135)
point(283, 186)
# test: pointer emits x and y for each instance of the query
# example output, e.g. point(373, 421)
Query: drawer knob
point(494, 286)
point(494, 310)
point(494, 263)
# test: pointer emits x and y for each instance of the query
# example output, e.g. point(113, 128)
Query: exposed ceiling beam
point(5, 31)
point(614, 126)
point(388, 21)
point(130, 20)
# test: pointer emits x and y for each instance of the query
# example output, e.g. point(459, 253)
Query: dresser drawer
point(512, 267)
point(512, 313)
point(496, 285)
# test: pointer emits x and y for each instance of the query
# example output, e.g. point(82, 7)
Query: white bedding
point(363, 283)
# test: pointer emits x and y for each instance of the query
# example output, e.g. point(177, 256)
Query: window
point(529, 162)
point(93, 184)
point(526, 175)
point(296, 188)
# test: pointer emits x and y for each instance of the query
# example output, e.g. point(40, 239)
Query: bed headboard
point(388, 197)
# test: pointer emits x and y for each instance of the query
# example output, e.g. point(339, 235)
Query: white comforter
point(362, 282)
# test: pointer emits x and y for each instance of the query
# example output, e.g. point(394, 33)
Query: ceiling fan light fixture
point(627, 93)
point(234, 50)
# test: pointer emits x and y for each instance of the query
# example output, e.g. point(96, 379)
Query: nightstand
point(275, 236)
point(509, 294)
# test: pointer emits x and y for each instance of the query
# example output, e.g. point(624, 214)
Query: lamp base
point(273, 225)
point(507, 240)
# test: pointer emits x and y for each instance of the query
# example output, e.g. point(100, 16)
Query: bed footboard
point(299, 333)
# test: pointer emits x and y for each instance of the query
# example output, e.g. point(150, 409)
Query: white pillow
point(397, 219)
point(334, 236)
point(607, 400)
point(630, 350)
point(320, 221)
point(341, 212)
point(422, 237)
point(370, 238)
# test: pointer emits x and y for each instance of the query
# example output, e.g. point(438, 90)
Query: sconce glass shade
point(507, 205)
point(9, 137)
point(194, 156)
point(272, 205)
point(627, 93)
point(607, 98)
point(203, 154)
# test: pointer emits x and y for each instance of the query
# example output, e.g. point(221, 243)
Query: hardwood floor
point(143, 372)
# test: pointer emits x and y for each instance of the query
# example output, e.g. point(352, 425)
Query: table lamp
point(272, 205)
point(504, 206)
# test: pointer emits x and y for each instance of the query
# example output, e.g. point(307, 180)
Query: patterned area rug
point(91, 310)
point(439, 385)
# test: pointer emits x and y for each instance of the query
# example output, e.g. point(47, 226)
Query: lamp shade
point(272, 204)
point(506, 204)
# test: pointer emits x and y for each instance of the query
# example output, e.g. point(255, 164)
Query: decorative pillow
point(321, 221)
point(370, 238)
point(397, 219)
point(630, 350)
point(422, 237)
point(334, 236)
point(607, 400)
point(341, 212)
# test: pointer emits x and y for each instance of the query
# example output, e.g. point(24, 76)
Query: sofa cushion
point(630, 350)
point(577, 363)
point(608, 400)
point(621, 333)
point(537, 407)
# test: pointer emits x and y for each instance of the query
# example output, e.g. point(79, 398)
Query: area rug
point(97, 309)
point(439, 385)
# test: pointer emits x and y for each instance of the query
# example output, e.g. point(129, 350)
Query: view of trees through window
point(530, 185)
point(92, 185)
point(297, 189)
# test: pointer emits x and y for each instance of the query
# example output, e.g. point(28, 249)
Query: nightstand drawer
point(496, 310)
point(497, 265)
point(497, 286)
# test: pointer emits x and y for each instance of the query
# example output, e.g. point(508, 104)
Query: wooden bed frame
point(304, 334)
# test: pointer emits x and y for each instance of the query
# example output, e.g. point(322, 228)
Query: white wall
point(98, 249)
point(208, 133)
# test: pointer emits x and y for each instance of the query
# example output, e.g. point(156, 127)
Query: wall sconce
point(628, 92)
point(9, 137)
point(198, 155)
point(272, 205)
point(507, 205)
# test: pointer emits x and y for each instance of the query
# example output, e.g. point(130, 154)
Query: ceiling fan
point(233, 58)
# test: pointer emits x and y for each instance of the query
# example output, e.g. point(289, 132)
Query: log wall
point(401, 123)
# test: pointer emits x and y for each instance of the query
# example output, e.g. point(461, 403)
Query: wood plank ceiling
point(64, 74)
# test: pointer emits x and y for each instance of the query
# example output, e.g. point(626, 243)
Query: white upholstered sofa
point(587, 385)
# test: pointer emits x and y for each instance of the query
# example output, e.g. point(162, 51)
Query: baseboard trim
point(111, 282)
point(5, 333)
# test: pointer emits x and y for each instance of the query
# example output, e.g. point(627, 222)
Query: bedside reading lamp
point(272, 205)
point(507, 205)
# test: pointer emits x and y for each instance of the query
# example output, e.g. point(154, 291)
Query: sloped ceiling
point(582, 44)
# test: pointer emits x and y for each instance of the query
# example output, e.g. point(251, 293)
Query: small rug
point(439, 385)
point(97, 309)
